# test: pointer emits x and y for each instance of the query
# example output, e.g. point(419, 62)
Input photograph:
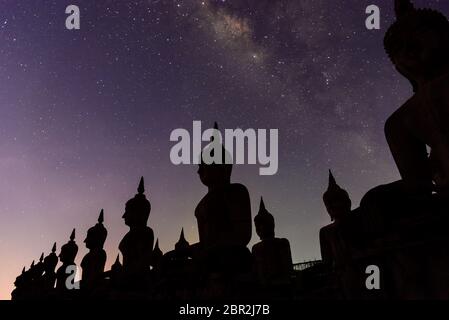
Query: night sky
point(85, 113)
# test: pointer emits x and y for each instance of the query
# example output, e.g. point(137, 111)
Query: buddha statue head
point(336, 200)
point(20, 280)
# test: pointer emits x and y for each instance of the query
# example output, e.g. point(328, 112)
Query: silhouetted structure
point(223, 216)
point(157, 256)
point(137, 245)
point(418, 45)
point(49, 277)
point(94, 261)
point(67, 258)
point(333, 237)
point(400, 227)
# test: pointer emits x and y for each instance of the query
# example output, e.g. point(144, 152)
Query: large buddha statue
point(223, 215)
point(94, 261)
point(137, 245)
point(418, 45)
point(272, 256)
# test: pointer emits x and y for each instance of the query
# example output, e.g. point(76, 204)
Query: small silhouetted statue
point(67, 258)
point(333, 240)
point(49, 277)
point(341, 241)
point(19, 292)
point(39, 268)
point(223, 214)
point(418, 45)
point(137, 245)
point(272, 256)
point(94, 261)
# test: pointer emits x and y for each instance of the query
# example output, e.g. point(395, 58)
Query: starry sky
point(85, 113)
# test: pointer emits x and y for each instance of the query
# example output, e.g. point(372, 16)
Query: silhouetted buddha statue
point(272, 256)
point(418, 45)
point(157, 256)
point(39, 268)
point(117, 266)
point(342, 240)
point(19, 292)
point(94, 261)
point(334, 238)
point(182, 246)
point(67, 258)
point(174, 260)
point(49, 276)
point(32, 271)
point(116, 272)
point(137, 245)
point(223, 216)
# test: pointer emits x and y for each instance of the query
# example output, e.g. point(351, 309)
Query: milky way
point(83, 114)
